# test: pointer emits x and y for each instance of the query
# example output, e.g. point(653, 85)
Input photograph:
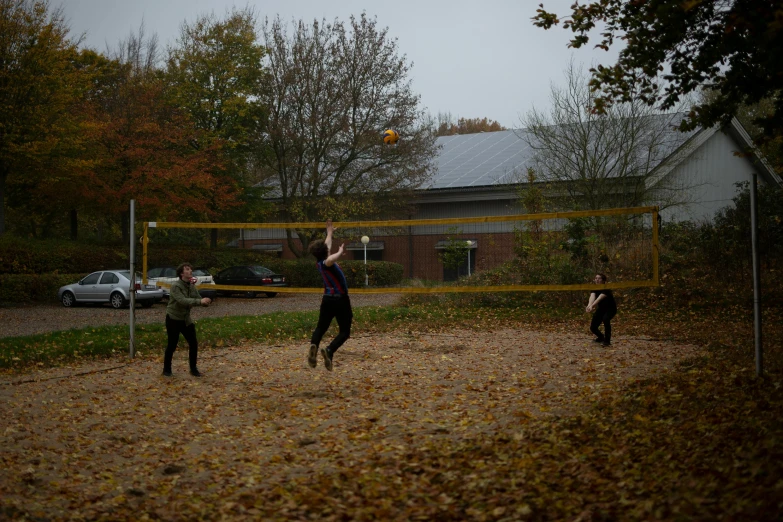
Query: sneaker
point(312, 356)
point(606, 343)
point(167, 373)
point(195, 373)
point(327, 358)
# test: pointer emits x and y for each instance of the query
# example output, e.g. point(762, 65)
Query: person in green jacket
point(182, 297)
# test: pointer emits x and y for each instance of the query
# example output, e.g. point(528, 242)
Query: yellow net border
point(654, 282)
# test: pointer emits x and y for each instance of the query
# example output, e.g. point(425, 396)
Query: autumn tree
point(674, 47)
point(602, 160)
point(215, 73)
point(46, 200)
point(38, 84)
point(334, 88)
point(448, 126)
point(148, 149)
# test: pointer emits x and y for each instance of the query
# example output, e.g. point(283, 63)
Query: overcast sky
point(473, 59)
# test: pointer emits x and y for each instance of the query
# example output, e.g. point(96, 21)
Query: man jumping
point(335, 302)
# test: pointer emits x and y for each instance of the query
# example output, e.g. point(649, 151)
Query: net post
point(132, 288)
point(656, 247)
point(144, 241)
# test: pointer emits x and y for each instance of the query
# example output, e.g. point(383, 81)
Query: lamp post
point(470, 244)
point(365, 240)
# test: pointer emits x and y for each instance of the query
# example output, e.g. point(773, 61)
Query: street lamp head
point(469, 243)
point(365, 240)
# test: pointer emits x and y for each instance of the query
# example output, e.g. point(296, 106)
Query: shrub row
point(212, 259)
point(20, 256)
point(25, 288)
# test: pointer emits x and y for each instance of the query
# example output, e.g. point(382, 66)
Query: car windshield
point(260, 270)
point(201, 272)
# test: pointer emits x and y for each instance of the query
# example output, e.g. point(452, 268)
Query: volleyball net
point(553, 251)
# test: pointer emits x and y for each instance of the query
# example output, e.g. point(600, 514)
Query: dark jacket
point(182, 297)
point(607, 304)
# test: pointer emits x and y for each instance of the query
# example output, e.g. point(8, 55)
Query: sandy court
point(123, 434)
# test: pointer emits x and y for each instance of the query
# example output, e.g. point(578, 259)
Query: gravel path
point(35, 319)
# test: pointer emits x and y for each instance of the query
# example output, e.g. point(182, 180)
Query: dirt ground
point(84, 440)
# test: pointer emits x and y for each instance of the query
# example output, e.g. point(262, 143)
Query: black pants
point(174, 328)
point(603, 316)
point(331, 308)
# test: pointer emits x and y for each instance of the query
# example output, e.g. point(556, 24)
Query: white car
point(168, 275)
point(109, 286)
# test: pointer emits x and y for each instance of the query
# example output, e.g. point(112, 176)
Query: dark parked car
point(249, 276)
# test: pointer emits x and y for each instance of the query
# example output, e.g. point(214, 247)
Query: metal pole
point(144, 241)
point(469, 245)
point(656, 247)
point(410, 250)
point(132, 289)
point(754, 240)
point(366, 280)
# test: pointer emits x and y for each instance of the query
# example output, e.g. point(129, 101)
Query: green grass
point(64, 347)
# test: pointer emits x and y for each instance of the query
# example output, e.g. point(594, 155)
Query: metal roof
point(497, 158)
point(486, 158)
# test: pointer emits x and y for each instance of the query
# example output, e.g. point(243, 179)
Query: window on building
point(374, 250)
point(466, 267)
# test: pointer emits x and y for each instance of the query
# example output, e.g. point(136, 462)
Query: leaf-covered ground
point(510, 423)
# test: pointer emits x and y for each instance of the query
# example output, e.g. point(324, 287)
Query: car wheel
point(117, 300)
point(270, 294)
point(251, 295)
point(68, 300)
point(147, 303)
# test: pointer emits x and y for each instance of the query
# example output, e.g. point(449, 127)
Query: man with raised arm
point(335, 302)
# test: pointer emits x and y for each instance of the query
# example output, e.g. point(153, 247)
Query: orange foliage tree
point(145, 148)
point(448, 127)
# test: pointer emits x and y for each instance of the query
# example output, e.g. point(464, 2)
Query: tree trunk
point(298, 247)
point(3, 176)
point(125, 226)
point(74, 225)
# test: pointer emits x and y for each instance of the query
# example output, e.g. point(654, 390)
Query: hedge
point(20, 256)
point(298, 272)
point(33, 270)
point(303, 273)
point(25, 288)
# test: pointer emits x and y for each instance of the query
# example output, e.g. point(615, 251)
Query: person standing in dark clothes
point(604, 308)
point(334, 303)
point(182, 297)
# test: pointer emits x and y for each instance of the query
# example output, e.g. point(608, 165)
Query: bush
point(200, 257)
point(303, 273)
point(379, 273)
point(21, 256)
point(25, 288)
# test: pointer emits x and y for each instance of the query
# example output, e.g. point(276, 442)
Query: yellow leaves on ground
point(129, 444)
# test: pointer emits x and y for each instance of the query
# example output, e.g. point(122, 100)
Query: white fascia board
point(737, 131)
point(678, 156)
